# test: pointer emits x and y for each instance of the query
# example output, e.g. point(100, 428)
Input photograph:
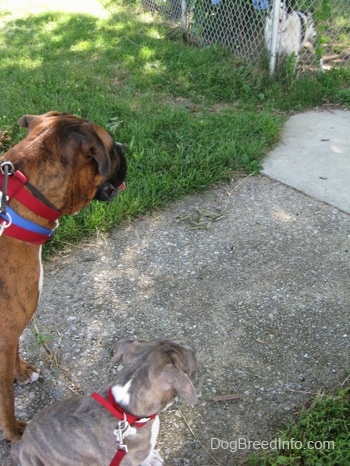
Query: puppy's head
point(96, 164)
point(155, 372)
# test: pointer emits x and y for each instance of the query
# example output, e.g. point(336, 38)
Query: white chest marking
point(121, 393)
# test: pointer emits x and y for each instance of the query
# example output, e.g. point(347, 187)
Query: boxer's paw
point(26, 373)
point(154, 459)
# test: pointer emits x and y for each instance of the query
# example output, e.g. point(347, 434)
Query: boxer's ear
point(79, 143)
point(103, 160)
point(181, 383)
point(25, 120)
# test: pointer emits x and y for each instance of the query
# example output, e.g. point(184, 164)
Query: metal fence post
point(274, 34)
point(184, 15)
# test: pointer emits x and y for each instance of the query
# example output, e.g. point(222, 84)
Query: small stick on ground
point(197, 439)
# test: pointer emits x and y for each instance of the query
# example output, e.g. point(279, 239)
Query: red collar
point(15, 190)
point(127, 419)
point(34, 201)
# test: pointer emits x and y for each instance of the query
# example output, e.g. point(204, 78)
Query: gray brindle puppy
point(120, 424)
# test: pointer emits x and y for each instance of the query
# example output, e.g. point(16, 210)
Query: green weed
point(320, 436)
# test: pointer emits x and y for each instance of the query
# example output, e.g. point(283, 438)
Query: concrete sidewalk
point(314, 156)
point(254, 274)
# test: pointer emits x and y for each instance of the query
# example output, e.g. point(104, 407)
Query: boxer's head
point(94, 164)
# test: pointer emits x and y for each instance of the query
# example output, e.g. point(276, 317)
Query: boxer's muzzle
point(109, 188)
point(107, 192)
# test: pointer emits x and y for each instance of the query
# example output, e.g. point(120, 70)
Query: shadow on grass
point(53, 56)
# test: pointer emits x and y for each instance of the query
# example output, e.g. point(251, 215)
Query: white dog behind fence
point(295, 30)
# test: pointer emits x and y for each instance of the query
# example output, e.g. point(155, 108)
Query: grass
point(320, 436)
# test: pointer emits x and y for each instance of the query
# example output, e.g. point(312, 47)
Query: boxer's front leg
point(12, 428)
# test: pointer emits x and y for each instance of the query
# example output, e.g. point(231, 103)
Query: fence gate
point(266, 30)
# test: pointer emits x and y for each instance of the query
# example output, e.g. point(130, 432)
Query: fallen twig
point(231, 397)
point(197, 439)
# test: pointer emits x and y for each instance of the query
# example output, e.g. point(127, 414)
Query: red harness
point(23, 229)
point(15, 189)
point(126, 420)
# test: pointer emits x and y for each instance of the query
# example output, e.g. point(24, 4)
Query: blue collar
point(25, 224)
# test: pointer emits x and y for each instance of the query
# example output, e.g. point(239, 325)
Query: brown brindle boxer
point(62, 164)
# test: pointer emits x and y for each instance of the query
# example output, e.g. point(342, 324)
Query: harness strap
point(13, 184)
point(116, 410)
point(5, 171)
point(20, 228)
point(118, 457)
point(31, 200)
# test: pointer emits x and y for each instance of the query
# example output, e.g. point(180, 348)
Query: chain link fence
point(312, 33)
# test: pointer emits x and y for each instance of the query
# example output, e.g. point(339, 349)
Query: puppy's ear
point(118, 356)
point(126, 350)
point(181, 383)
point(187, 362)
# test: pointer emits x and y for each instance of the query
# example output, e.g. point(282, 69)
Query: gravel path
point(253, 274)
